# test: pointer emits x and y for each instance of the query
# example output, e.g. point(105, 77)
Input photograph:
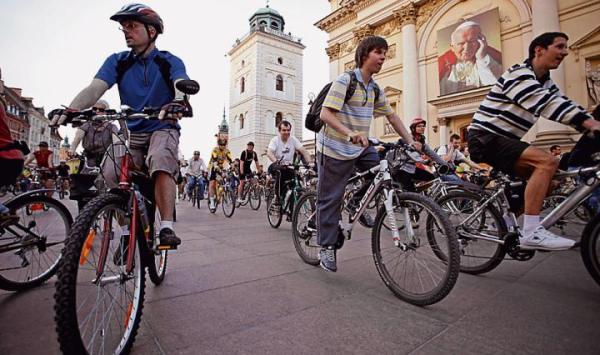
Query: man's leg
point(163, 167)
point(333, 174)
point(540, 167)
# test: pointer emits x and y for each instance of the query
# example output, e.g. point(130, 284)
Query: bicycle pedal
point(166, 247)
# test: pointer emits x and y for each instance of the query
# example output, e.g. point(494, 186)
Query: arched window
point(280, 60)
point(242, 85)
point(263, 23)
point(278, 119)
point(274, 25)
point(279, 83)
point(241, 122)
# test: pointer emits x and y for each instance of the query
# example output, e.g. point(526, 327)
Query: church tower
point(265, 83)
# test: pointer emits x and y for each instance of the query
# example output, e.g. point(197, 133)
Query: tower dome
point(267, 17)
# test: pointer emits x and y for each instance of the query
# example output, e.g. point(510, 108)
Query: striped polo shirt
point(518, 99)
point(356, 114)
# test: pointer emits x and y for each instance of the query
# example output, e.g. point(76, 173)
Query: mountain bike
point(488, 229)
point(404, 259)
point(100, 288)
point(31, 238)
point(225, 193)
point(251, 193)
point(280, 204)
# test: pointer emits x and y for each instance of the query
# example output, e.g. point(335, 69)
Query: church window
point(241, 121)
point(278, 118)
point(279, 83)
point(280, 60)
point(242, 85)
point(263, 23)
point(274, 25)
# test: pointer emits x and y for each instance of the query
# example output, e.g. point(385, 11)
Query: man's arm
point(271, 155)
point(305, 154)
point(79, 134)
point(85, 99)
point(29, 159)
point(50, 160)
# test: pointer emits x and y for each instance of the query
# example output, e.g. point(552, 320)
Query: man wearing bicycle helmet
point(146, 78)
point(218, 156)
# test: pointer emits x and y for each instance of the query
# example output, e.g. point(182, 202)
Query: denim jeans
point(192, 181)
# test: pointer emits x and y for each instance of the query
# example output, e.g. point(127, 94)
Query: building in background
point(428, 75)
point(265, 83)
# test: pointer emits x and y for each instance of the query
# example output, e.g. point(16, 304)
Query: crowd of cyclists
point(148, 78)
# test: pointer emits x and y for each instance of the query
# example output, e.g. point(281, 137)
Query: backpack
point(164, 67)
point(96, 138)
point(313, 117)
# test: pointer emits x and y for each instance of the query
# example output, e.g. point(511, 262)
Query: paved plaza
point(237, 286)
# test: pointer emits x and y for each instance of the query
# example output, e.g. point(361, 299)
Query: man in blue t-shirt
point(146, 78)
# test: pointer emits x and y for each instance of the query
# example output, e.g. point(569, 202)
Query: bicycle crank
point(512, 248)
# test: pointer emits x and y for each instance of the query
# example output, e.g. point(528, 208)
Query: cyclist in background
point(218, 156)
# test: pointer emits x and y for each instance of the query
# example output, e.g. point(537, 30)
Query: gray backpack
point(97, 137)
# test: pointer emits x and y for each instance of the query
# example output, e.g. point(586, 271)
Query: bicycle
point(400, 249)
point(62, 186)
point(100, 288)
point(280, 205)
point(251, 193)
point(31, 238)
point(488, 228)
point(195, 194)
point(225, 193)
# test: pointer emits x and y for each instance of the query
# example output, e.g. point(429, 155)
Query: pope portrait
point(470, 62)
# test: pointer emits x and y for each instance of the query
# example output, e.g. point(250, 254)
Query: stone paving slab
point(236, 286)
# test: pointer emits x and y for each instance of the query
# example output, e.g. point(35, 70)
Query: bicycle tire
point(468, 257)
point(452, 264)
point(65, 307)
point(10, 284)
point(590, 248)
point(157, 266)
point(300, 234)
point(228, 203)
point(255, 198)
point(274, 220)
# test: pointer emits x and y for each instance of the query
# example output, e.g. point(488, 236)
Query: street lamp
point(311, 97)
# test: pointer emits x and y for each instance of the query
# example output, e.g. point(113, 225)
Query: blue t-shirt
point(142, 85)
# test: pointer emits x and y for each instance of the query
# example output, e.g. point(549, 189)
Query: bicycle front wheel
point(304, 230)
point(477, 255)
point(590, 248)
point(99, 313)
point(228, 203)
point(255, 199)
point(274, 211)
point(410, 267)
point(39, 231)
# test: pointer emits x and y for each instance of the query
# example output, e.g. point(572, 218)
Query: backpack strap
point(351, 85)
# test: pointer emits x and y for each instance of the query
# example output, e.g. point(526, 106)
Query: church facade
point(445, 54)
point(265, 83)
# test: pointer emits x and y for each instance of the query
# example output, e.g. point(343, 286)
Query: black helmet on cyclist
point(43, 144)
point(222, 142)
point(141, 13)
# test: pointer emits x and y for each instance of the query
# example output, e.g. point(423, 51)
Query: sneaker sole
point(326, 269)
point(529, 247)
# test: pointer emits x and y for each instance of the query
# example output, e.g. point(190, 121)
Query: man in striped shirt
point(342, 144)
point(520, 96)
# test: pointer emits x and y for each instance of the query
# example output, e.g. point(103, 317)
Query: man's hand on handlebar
point(357, 138)
point(175, 110)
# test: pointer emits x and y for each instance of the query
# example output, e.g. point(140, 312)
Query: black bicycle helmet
point(141, 13)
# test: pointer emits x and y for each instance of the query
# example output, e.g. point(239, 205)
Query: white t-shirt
point(284, 151)
point(456, 154)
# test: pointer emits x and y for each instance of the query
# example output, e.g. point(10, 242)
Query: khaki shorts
point(156, 151)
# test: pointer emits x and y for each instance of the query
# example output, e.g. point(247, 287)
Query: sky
point(53, 49)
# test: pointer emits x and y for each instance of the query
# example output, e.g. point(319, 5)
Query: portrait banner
point(469, 54)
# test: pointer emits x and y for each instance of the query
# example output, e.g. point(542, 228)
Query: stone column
point(443, 123)
point(546, 132)
point(411, 93)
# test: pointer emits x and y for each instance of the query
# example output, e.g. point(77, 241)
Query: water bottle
point(145, 221)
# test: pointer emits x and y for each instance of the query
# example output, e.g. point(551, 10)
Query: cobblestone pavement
point(237, 286)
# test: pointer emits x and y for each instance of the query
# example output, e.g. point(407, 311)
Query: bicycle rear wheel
point(590, 248)
point(157, 266)
point(40, 233)
point(477, 255)
point(411, 270)
point(99, 314)
point(304, 231)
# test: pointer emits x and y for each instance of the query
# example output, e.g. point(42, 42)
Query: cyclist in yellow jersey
point(217, 160)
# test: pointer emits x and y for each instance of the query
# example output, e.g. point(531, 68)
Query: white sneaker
point(212, 204)
point(542, 239)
